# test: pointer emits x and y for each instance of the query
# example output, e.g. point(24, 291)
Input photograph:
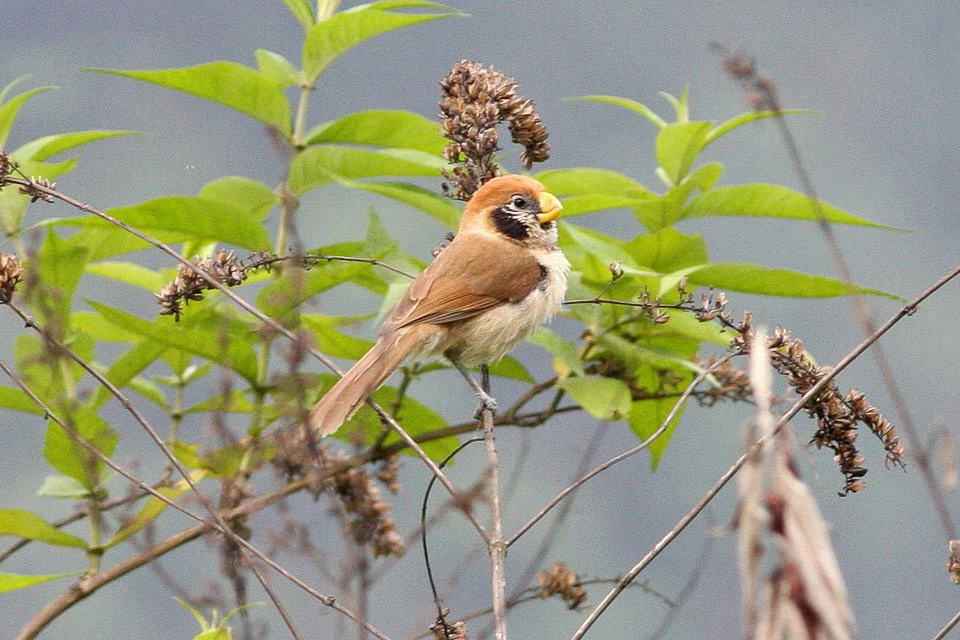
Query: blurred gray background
point(882, 75)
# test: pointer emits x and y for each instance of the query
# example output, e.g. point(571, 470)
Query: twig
point(948, 628)
point(87, 585)
point(495, 544)
point(671, 535)
point(763, 88)
point(221, 524)
point(246, 306)
point(867, 325)
point(276, 601)
point(621, 457)
point(551, 535)
point(699, 566)
point(73, 517)
point(423, 531)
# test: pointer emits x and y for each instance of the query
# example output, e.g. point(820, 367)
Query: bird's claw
point(487, 402)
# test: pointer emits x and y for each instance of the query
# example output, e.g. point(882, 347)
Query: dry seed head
point(11, 273)
point(473, 101)
point(189, 285)
point(561, 581)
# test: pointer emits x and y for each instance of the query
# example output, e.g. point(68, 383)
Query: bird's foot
point(487, 402)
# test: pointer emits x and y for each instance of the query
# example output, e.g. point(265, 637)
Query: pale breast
point(488, 336)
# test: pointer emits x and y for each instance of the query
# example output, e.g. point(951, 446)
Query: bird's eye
point(519, 202)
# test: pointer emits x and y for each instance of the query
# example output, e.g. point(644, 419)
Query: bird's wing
point(474, 273)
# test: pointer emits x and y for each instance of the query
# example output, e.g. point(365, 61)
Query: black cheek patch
point(508, 224)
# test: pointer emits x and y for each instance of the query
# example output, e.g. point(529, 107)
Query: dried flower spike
point(473, 101)
point(6, 166)
point(35, 193)
point(11, 272)
point(558, 580)
point(188, 285)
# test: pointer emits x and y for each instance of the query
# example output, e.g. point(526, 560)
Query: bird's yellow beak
point(549, 208)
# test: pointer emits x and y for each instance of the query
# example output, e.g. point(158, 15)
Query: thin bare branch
point(764, 88)
point(671, 535)
point(621, 457)
point(246, 306)
point(496, 546)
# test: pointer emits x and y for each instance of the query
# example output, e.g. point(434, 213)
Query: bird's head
point(516, 207)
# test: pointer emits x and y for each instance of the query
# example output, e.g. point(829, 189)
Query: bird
point(502, 276)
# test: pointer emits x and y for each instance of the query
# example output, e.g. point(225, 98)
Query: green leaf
point(668, 250)
point(678, 145)
point(332, 342)
point(277, 68)
point(10, 109)
point(100, 242)
point(228, 83)
point(125, 368)
point(441, 209)
point(416, 417)
point(44, 378)
point(62, 487)
point(768, 200)
point(235, 402)
point(286, 293)
point(683, 324)
point(47, 146)
point(302, 11)
point(217, 340)
point(329, 39)
point(510, 367)
point(592, 189)
point(13, 581)
point(590, 181)
point(152, 509)
point(317, 166)
point(10, 86)
point(566, 355)
point(641, 109)
point(681, 107)
point(646, 416)
point(183, 218)
point(751, 278)
point(59, 267)
point(377, 242)
point(245, 194)
point(72, 459)
point(603, 398)
point(382, 128)
point(751, 116)
point(24, 524)
point(17, 400)
point(129, 273)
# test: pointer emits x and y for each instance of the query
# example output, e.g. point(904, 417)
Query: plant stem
point(496, 545)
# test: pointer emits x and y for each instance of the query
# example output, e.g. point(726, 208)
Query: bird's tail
point(342, 401)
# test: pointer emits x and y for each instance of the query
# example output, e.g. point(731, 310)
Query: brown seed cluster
point(473, 101)
point(805, 595)
point(732, 383)
point(11, 273)
point(36, 193)
point(760, 89)
point(188, 285)
point(558, 580)
point(443, 630)
point(6, 167)
point(838, 416)
point(370, 522)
